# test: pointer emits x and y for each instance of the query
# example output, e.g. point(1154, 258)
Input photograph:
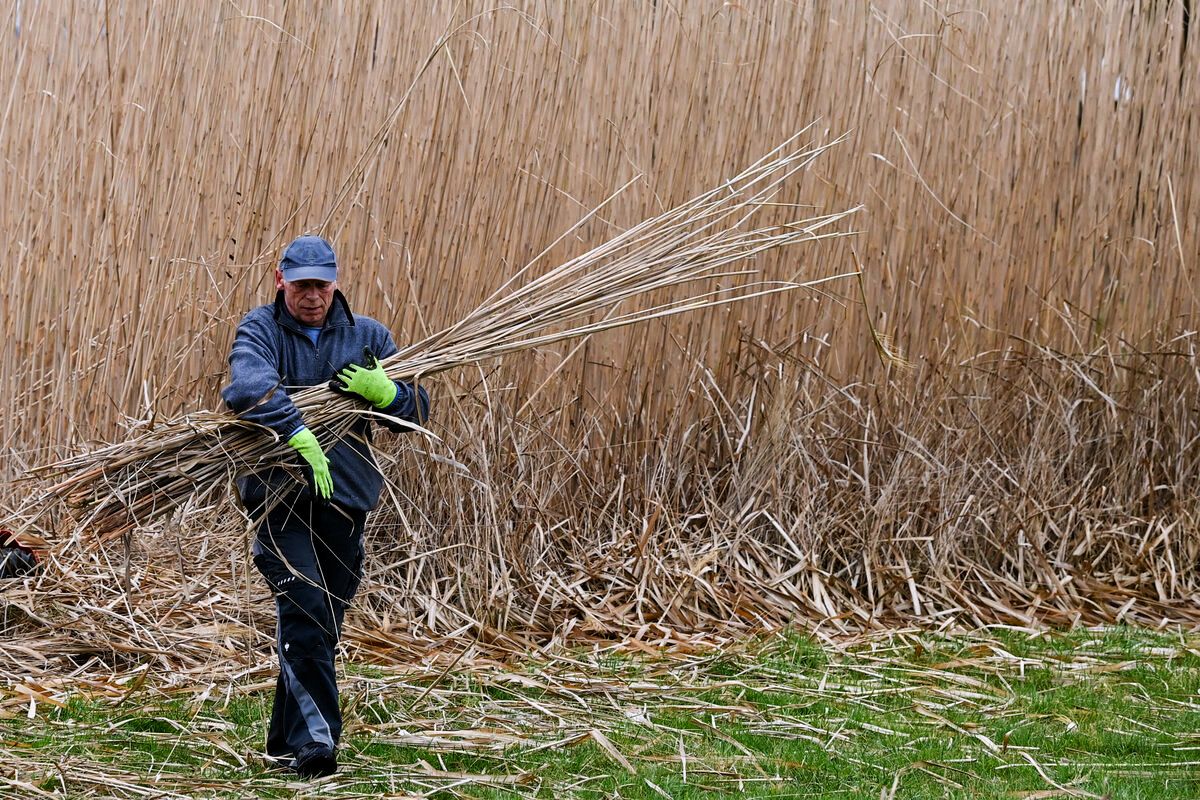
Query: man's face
point(308, 300)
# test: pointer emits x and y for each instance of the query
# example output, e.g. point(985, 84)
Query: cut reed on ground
point(1090, 713)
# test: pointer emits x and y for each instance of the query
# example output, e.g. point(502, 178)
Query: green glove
point(310, 450)
point(370, 383)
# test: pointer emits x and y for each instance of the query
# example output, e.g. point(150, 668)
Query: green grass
point(997, 714)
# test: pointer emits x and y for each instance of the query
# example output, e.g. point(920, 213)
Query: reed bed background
point(1028, 240)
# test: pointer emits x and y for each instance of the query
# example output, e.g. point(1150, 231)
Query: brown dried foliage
point(1027, 240)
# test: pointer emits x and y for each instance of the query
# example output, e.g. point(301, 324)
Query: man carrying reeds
point(309, 545)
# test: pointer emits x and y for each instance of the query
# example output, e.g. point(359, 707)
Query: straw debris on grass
point(999, 712)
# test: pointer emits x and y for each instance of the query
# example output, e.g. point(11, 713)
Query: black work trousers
point(311, 555)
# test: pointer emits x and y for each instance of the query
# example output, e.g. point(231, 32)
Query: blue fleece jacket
point(271, 356)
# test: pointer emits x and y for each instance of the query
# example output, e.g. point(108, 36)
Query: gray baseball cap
point(309, 258)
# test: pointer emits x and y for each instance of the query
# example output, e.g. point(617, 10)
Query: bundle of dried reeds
point(136, 481)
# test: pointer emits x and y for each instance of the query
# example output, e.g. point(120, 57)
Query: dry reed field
point(1026, 238)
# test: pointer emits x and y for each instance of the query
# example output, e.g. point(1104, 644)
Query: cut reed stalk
point(139, 480)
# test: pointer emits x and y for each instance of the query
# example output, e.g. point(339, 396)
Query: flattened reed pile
point(1028, 239)
point(1066, 512)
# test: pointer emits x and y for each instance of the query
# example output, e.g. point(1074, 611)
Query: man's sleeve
point(255, 390)
point(411, 403)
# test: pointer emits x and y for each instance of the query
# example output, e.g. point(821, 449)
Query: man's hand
point(370, 383)
point(310, 450)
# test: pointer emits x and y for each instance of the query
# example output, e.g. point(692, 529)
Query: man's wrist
point(390, 397)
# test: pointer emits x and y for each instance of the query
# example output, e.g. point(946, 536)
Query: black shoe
point(315, 760)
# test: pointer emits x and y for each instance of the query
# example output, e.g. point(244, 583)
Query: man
point(309, 544)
